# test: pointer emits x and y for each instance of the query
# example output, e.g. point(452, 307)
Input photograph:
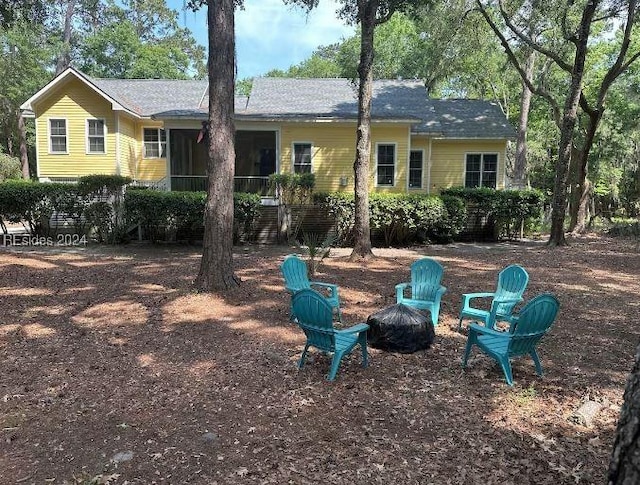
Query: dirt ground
point(112, 370)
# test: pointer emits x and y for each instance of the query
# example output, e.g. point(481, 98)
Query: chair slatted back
point(315, 316)
point(534, 320)
point(512, 281)
point(294, 271)
point(426, 275)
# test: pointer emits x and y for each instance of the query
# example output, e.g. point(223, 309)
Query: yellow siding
point(151, 169)
point(128, 146)
point(76, 103)
point(333, 153)
point(448, 161)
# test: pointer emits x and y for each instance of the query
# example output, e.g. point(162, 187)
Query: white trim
point(144, 152)
point(86, 136)
point(117, 143)
point(37, 150)
point(429, 164)
point(66, 135)
point(206, 90)
point(278, 140)
point(413, 189)
point(482, 154)
point(293, 154)
point(395, 163)
point(115, 105)
point(168, 157)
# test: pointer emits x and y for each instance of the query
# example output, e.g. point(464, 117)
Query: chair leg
point(339, 313)
point(470, 341)
point(506, 369)
point(434, 315)
point(291, 317)
point(460, 323)
point(363, 346)
point(303, 357)
point(335, 364)
point(536, 361)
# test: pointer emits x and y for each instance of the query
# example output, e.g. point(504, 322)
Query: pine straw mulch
point(113, 370)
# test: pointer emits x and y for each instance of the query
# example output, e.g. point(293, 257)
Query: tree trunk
point(520, 165)
point(64, 59)
point(624, 467)
point(570, 113)
point(362, 231)
point(216, 267)
point(24, 156)
point(579, 214)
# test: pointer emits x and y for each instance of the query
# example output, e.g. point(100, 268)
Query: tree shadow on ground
point(110, 351)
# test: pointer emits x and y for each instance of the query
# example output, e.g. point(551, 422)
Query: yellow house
point(151, 130)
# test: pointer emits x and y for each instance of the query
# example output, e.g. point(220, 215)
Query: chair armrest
point(400, 287)
point(493, 314)
point(441, 291)
point(333, 288)
point(357, 328)
point(469, 296)
point(474, 327)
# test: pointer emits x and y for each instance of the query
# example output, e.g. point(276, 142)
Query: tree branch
point(514, 61)
point(528, 40)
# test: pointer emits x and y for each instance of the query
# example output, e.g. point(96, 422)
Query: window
point(481, 170)
point(302, 158)
point(386, 157)
point(155, 143)
point(57, 136)
point(415, 169)
point(95, 136)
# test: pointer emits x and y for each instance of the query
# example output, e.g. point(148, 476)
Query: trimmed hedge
point(400, 218)
point(33, 203)
point(510, 210)
point(164, 215)
point(95, 207)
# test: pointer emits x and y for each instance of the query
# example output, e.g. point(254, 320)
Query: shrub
point(160, 213)
point(10, 167)
point(99, 184)
point(400, 218)
point(34, 203)
point(512, 211)
point(448, 227)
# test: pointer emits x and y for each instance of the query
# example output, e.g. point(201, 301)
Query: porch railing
point(193, 183)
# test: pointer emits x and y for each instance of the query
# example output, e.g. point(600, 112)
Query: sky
point(270, 34)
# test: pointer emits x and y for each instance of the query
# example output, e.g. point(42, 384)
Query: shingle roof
point(333, 98)
point(400, 100)
point(149, 96)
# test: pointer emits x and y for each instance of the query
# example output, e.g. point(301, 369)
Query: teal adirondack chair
point(294, 271)
point(512, 281)
point(426, 290)
point(315, 316)
point(528, 327)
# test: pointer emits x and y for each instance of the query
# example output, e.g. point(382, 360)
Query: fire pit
point(400, 328)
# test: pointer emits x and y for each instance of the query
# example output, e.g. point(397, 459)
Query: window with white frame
point(302, 158)
point(95, 136)
point(386, 164)
point(415, 169)
point(481, 170)
point(155, 143)
point(57, 136)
